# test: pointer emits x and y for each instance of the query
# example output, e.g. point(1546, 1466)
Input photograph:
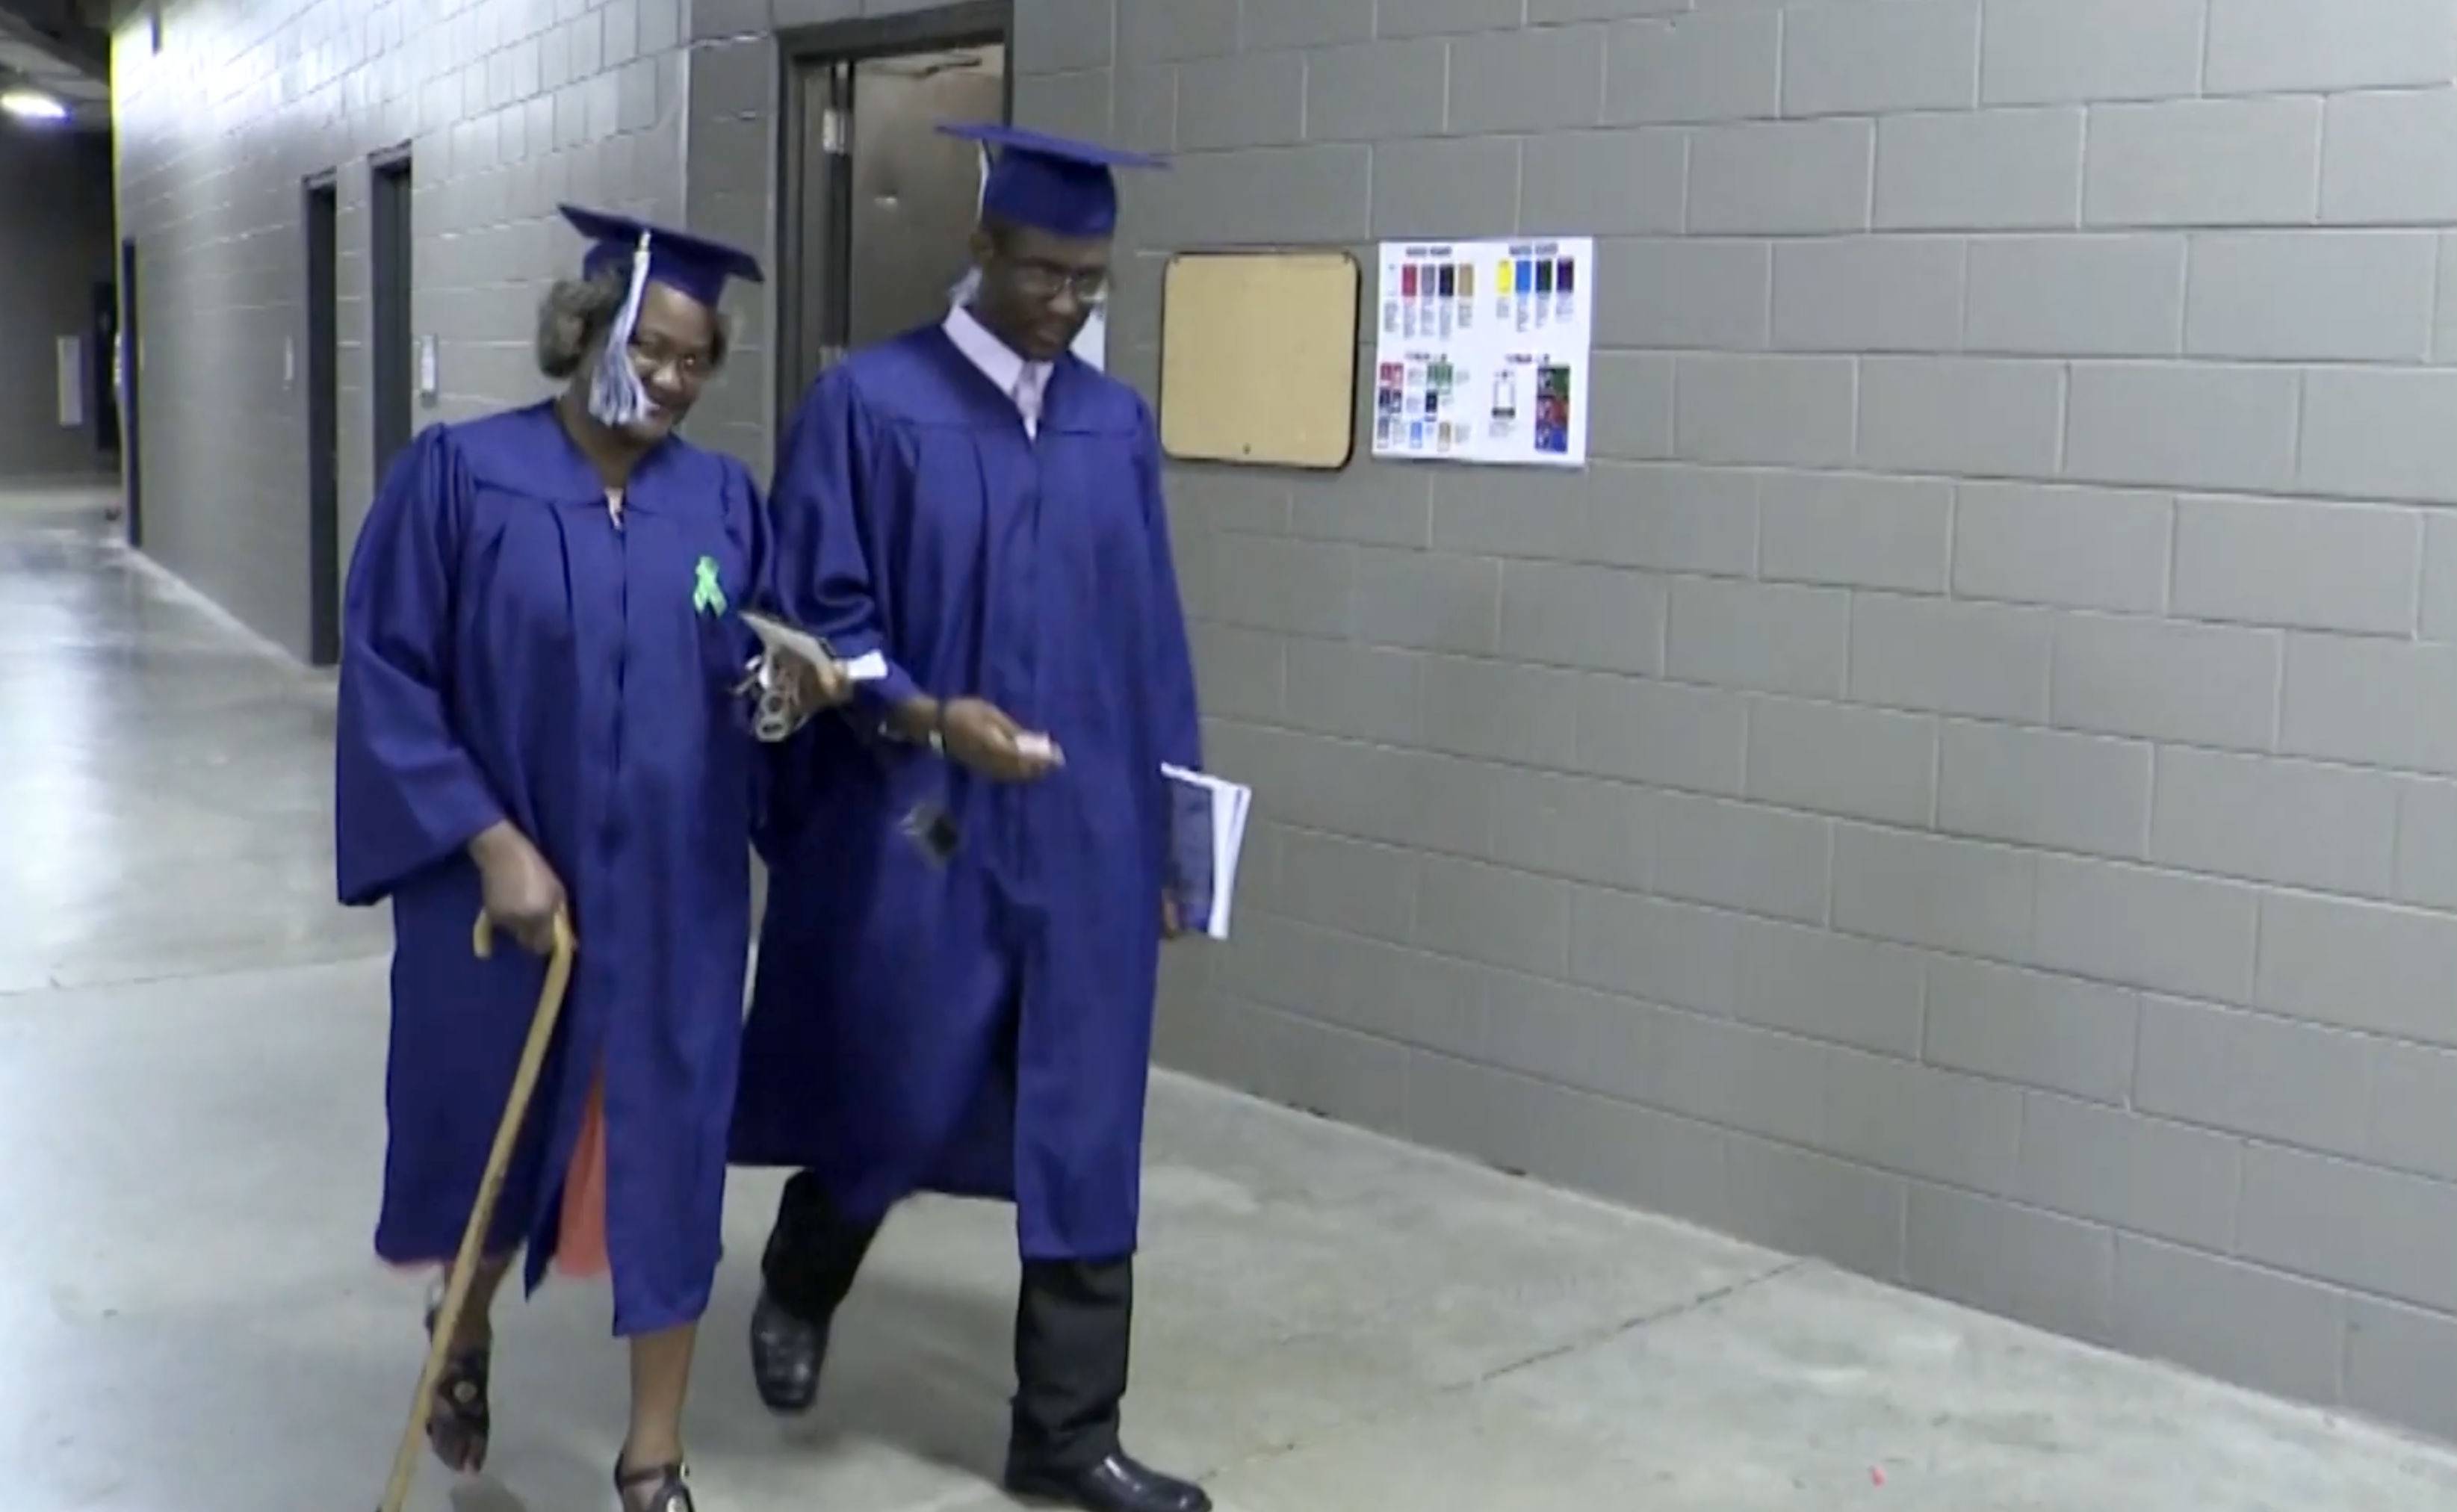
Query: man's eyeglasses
point(1046, 280)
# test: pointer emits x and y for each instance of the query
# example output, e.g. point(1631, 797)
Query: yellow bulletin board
point(1258, 358)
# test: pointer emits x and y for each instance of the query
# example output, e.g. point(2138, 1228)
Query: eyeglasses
point(691, 366)
point(1046, 280)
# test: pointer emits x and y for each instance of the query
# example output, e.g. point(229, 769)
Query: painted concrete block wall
point(508, 106)
point(1966, 784)
point(55, 245)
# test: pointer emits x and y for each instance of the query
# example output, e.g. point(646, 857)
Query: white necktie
point(1027, 399)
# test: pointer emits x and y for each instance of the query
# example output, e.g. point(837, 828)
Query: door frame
point(319, 214)
point(815, 65)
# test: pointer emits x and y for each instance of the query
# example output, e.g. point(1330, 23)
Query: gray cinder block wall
point(508, 106)
point(1961, 786)
point(55, 246)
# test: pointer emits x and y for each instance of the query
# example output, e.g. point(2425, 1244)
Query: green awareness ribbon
point(708, 596)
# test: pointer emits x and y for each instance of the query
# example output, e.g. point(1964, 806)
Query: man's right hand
point(522, 894)
point(980, 737)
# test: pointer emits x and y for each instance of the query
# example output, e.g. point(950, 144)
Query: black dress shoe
point(786, 1353)
point(1115, 1485)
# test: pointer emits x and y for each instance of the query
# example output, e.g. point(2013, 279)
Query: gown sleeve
point(753, 530)
point(406, 793)
point(1177, 732)
point(1175, 710)
point(823, 535)
point(748, 523)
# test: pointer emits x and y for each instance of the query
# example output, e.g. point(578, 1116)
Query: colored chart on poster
point(1481, 351)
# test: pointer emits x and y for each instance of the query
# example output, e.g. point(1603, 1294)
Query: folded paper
point(1207, 838)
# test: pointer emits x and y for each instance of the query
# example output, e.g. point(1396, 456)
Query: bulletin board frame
point(1260, 352)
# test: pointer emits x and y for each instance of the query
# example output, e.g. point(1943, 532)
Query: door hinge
point(835, 132)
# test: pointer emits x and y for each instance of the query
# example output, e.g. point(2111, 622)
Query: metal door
point(389, 186)
point(323, 424)
point(915, 191)
point(130, 365)
point(879, 204)
point(101, 397)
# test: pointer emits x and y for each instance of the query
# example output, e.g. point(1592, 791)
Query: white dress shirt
point(1021, 381)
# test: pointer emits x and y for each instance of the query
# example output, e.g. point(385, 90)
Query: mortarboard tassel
point(970, 284)
point(615, 396)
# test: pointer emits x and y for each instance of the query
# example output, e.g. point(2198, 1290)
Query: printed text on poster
point(1481, 351)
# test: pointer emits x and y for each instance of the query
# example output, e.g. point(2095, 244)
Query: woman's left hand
point(787, 690)
point(810, 687)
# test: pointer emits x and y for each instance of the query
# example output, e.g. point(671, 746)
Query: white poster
point(1092, 343)
point(1482, 354)
point(70, 359)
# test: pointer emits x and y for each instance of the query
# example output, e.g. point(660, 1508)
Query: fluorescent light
point(32, 106)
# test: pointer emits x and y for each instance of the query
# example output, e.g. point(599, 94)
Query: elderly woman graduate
point(541, 718)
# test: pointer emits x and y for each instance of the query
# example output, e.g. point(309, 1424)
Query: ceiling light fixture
point(32, 105)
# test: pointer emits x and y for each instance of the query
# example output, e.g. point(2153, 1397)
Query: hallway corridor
point(191, 1320)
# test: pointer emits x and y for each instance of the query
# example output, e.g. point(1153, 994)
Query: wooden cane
point(491, 1188)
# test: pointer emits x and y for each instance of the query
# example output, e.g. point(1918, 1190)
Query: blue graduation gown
point(981, 1028)
point(508, 653)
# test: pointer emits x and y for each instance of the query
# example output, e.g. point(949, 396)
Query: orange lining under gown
point(580, 1238)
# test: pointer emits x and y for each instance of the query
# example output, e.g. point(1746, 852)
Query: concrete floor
point(191, 1046)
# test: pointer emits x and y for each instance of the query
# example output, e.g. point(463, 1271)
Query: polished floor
point(191, 1046)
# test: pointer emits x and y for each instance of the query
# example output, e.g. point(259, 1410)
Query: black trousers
point(1072, 1322)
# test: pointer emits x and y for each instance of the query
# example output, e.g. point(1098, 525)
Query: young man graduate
point(983, 511)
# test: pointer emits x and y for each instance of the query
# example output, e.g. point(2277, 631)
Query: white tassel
point(615, 397)
point(970, 284)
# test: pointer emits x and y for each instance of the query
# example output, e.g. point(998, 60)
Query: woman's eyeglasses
point(691, 366)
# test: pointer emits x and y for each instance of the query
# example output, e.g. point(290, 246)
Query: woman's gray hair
point(576, 312)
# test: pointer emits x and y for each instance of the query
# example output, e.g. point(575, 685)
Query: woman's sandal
point(458, 1425)
point(667, 1491)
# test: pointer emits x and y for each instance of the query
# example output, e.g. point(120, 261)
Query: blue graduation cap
point(694, 266)
point(1050, 183)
